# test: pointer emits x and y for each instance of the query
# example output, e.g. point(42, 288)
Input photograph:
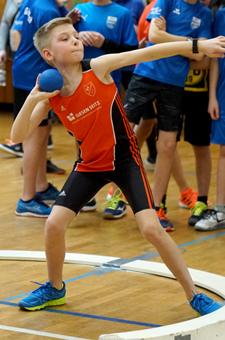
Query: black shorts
point(139, 97)
point(197, 123)
point(19, 98)
point(131, 178)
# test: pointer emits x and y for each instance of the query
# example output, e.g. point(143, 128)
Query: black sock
point(203, 199)
point(164, 199)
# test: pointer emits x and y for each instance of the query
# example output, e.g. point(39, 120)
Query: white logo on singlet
point(70, 117)
point(63, 108)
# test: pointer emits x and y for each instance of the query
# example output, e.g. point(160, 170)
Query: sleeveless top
point(95, 115)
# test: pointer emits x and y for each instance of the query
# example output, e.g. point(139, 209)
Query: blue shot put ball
point(50, 80)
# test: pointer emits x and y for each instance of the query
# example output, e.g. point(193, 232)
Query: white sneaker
point(212, 220)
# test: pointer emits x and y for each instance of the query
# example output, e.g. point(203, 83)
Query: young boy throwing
point(91, 109)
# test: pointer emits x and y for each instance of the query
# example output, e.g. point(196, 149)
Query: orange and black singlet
point(94, 114)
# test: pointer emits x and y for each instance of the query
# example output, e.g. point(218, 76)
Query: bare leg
point(41, 175)
point(203, 168)
point(143, 130)
point(221, 177)
point(151, 229)
point(177, 172)
point(55, 230)
point(35, 147)
point(166, 149)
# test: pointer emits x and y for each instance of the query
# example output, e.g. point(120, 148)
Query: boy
point(90, 108)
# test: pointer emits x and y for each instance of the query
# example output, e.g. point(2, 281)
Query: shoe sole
point(215, 227)
point(49, 147)
point(169, 229)
point(60, 172)
point(85, 209)
point(52, 303)
point(29, 214)
point(18, 154)
point(110, 216)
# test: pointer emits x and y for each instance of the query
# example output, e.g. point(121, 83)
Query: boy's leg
point(34, 163)
point(55, 229)
point(151, 229)
point(166, 150)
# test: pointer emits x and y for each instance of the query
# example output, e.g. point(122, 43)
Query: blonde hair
point(42, 37)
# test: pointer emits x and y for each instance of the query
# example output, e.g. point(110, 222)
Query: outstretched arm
point(103, 65)
point(33, 111)
point(157, 35)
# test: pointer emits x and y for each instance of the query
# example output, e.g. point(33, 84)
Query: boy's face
point(65, 45)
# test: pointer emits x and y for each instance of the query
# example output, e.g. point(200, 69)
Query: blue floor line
point(90, 316)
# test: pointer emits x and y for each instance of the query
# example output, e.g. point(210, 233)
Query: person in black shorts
point(90, 107)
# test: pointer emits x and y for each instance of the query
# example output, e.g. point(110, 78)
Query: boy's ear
point(47, 54)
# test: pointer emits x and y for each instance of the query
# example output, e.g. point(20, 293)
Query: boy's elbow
point(153, 38)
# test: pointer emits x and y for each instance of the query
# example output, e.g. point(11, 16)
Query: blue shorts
point(218, 130)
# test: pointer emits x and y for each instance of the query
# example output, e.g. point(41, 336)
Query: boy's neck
point(101, 2)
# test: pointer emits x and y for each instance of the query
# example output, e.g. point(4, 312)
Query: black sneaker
point(53, 169)
point(14, 149)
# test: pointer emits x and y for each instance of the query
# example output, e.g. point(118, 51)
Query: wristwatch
point(194, 44)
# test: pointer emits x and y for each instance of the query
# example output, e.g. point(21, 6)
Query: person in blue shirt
point(27, 64)
point(164, 80)
point(215, 219)
point(113, 22)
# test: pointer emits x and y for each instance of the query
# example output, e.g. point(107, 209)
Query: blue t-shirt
point(28, 63)
point(135, 8)
point(219, 29)
point(183, 19)
point(113, 22)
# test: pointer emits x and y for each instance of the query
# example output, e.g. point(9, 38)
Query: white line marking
point(50, 335)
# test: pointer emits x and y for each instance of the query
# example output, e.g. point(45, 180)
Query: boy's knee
point(152, 230)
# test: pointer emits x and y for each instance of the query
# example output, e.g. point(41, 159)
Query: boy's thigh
point(133, 182)
point(139, 98)
point(79, 189)
point(169, 108)
point(197, 123)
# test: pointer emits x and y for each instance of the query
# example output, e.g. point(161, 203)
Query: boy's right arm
point(33, 111)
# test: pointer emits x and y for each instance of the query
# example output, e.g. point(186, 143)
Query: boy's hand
point(40, 95)
point(213, 109)
point(161, 23)
point(214, 48)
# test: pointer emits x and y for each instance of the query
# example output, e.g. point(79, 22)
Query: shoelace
point(48, 284)
point(201, 301)
point(112, 203)
point(161, 214)
point(210, 213)
point(198, 209)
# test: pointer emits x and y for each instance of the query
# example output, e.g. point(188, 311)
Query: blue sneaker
point(203, 305)
point(115, 207)
point(90, 206)
point(32, 209)
point(165, 223)
point(44, 296)
point(48, 196)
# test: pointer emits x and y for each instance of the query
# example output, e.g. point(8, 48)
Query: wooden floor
point(99, 300)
